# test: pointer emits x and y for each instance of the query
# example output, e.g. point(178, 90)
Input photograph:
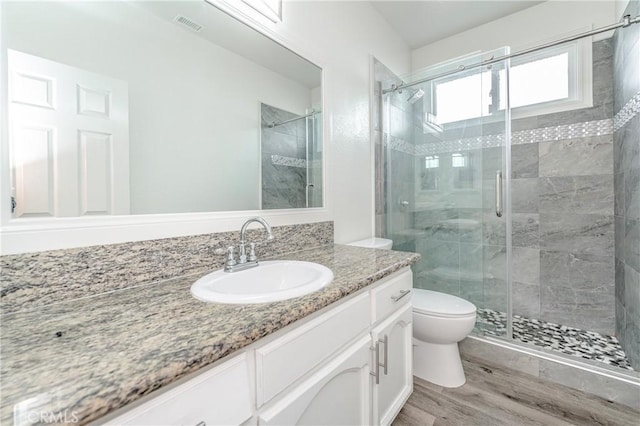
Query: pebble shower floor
point(560, 338)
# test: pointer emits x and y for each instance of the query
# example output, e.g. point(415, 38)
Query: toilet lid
point(441, 304)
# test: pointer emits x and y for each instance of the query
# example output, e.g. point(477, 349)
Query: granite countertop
point(87, 357)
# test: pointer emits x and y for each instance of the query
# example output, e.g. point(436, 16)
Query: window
point(430, 175)
point(431, 162)
point(458, 160)
point(541, 82)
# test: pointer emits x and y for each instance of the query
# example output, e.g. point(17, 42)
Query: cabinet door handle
point(402, 294)
point(376, 362)
point(385, 364)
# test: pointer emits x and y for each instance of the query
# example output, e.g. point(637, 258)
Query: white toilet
point(440, 321)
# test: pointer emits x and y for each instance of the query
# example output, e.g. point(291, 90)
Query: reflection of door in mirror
point(291, 159)
point(69, 139)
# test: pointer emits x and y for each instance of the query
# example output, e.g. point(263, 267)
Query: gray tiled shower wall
point(563, 211)
point(626, 155)
point(390, 216)
point(283, 186)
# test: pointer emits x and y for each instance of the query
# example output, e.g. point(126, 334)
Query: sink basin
point(270, 281)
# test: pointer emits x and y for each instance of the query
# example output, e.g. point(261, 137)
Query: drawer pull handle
point(402, 294)
point(376, 362)
point(202, 423)
point(385, 342)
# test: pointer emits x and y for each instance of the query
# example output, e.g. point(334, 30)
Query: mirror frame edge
point(35, 235)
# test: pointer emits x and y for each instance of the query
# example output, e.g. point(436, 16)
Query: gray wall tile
point(582, 309)
point(632, 340)
point(526, 299)
point(524, 160)
point(525, 230)
point(627, 189)
point(524, 195)
point(618, 194)
point(577, 157)
point(619, 237)
point(526, 265)
point(620, 291)
point(577, 194)
point(577, 233)
point(632, 192)
point(632, 243)
point(629, 144)
point(632, 294)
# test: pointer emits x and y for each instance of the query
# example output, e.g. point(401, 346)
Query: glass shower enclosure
point(518, 221)
point(442, 153)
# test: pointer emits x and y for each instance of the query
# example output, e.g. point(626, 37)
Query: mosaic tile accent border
point(279, 160)
point(627, 112)
point(32, 280)
point(563, 132)
point(544, 134)
point(560, 338)
point(400, 145)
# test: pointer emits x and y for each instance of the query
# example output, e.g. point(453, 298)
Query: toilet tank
point(377, 243)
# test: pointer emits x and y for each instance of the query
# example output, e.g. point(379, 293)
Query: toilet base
point(439, 364)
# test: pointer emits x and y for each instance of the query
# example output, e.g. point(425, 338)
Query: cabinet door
point(394, 386)
point(337, 394)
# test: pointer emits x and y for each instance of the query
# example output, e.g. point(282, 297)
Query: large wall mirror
point(129, 108)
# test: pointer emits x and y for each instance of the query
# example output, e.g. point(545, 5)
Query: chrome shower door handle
point(499, 193)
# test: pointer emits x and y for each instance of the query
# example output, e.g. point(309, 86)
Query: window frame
point(580, 85)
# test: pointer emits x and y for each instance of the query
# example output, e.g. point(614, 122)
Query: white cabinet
point(220, 396)
point(337, 394)
point(395, 377)
point(320, 371)
point(286, 359)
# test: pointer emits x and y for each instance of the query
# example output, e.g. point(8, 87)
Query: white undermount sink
point(270, 281)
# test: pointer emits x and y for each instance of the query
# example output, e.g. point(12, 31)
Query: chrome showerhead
point(418, 94)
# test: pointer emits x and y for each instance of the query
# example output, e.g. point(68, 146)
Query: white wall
point(542, 23)
point(621, 5)
point(194, 107)
point(345, 34)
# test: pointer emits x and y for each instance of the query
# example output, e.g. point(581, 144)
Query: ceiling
point(421, 22)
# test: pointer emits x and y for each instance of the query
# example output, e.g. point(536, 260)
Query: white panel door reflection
point(69, 139)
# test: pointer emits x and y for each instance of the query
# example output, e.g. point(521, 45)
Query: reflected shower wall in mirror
point(145, 108)
point(291, 159)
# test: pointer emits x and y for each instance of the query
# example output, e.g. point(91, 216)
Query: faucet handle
point(242, 253)
point(252, 253)
point(231, 259)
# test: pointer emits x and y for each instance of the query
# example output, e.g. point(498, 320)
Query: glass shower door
point(445, 171)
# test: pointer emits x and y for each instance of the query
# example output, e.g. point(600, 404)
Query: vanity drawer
point(288, 358)
point(391, 294)
point(221, 396)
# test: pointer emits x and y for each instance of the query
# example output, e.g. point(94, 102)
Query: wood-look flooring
point(496, 396)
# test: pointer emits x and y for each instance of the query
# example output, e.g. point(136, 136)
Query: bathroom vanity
point(153, 354)
point(348, 364)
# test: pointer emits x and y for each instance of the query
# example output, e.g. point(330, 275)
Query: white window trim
point(580, 90)
point(580, 80)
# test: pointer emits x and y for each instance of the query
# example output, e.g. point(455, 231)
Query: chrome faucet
point(246, 261)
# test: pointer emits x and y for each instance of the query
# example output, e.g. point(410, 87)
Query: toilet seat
point(441, 305)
